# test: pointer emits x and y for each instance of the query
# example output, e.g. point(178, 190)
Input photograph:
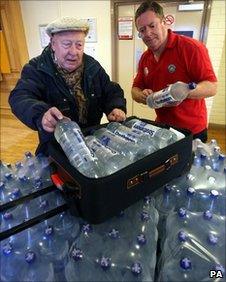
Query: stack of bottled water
point(120, 249)
point(193, 247)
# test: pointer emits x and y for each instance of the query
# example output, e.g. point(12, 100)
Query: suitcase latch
point(164, 167)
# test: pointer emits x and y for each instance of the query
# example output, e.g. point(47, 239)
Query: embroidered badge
point(171, 68)
point(146, 71)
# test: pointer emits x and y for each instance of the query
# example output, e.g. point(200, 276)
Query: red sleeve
point(199, 64)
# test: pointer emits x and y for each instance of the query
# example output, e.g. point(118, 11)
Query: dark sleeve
point(112, 93)
point(27, 98)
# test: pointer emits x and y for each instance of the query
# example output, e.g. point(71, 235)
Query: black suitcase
point(96, 200)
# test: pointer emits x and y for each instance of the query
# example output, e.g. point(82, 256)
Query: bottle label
point(163, 96)
point(97, 146)
point(145, 127)
point(128, 136)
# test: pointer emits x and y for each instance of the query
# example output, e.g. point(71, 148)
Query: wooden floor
point(16, 138)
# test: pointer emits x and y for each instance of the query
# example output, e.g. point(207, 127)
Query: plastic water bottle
point(163, 136)
point(133, 135)
point(109, 158)
point(191, 250)
point(53, 248)
point(175, 92)
point(127, 148)
point(71, 139)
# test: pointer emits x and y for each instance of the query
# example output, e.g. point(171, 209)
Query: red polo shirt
point(184, 59)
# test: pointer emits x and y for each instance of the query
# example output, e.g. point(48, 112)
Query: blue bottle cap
point(23, 178)
point(203, 157)
point(213, 239)
point(214, 193)
point(221, 157)
point(114, 233)
point(28, 154)
point(87, 228)
point(147, 200)
point(185, 263)
point(44, 204)
point(182, 212)
point(18, 165)
point(38, 184)
point(7, 249)
point(30, 257)
point(77, 254)
point(192, 85)
point(105, 263)
point(15, 193)
point(144, 216)
point(7, 215)
point(167, 188)
point(207, 215)
point(182, 236)
point(8, 175)
point(136, 268)
point(190, 191)
point(141, 239)
point(49, 230)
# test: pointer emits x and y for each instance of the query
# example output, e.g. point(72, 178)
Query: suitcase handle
point(147, 175)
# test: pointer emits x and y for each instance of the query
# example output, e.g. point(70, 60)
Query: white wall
point(37, 13)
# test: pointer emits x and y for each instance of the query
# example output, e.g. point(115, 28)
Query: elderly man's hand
point(50, 118)
point(116, 115)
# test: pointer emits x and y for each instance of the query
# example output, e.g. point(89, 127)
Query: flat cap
point(67, 24)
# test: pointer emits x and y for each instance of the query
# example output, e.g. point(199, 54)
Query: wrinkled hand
point(50, 118)
point(145, 93)
point(116, 115)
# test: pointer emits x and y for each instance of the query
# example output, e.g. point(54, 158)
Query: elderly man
point(65, 82)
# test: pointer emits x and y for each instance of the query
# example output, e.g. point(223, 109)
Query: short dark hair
point(149, 6)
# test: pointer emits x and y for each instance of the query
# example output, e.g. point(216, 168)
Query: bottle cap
point(28, 154)
point(23, 178)
point(214, 193)
point(18, 165)
point(144, 216)
point(15, 193)
point(190, 191)
point(7, 215)
point(8, 175)
point(7, 249)
point(44, 204)
point(105, 263)
point(77, 254)
point(167, 188)
point(213, 239)
point(221, 157)
point(207, 215)
point(49, 230)
point(136, 268)
point(141, 239)
point(30, 257)
point(192, 85)
point(185, 263)
point(182, 212)
point(87, 228)
point(114, 234)
point(182, 236)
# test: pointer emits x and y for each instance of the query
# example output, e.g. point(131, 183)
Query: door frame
point(114, 25)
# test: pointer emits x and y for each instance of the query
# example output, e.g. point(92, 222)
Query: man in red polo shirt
point(171, 58)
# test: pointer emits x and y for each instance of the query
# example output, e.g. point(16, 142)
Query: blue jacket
point(42, 87)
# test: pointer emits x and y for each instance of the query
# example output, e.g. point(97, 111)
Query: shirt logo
point(171, 68)
point(146, 71)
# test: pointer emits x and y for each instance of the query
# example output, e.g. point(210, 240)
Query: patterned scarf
point(73, 81)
